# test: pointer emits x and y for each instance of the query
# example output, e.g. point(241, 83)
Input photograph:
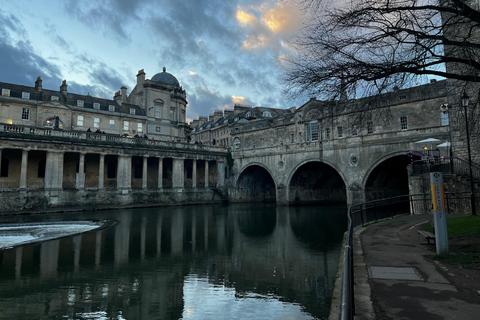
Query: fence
point(376, 210)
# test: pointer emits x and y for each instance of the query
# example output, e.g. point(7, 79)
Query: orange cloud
point(236, 99)
point(281, 18)
point(245, 18)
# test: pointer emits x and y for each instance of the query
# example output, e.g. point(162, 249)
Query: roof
point(165, 78)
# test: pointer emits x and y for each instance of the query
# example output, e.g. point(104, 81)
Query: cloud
point(275, 22)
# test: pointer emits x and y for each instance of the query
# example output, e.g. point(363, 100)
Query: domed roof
point(166, 78)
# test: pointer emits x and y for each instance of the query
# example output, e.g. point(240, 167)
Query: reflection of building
point(155, 107)
point(138, 268)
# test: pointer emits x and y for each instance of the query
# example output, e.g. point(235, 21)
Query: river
point(237, 261)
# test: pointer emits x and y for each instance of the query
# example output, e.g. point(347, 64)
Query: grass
point(459, 226)
point(464, 241)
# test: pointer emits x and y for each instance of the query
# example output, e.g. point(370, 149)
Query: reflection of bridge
point(312, 157)
point(149, 255)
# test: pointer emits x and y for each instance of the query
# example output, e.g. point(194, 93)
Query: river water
point(238, 261)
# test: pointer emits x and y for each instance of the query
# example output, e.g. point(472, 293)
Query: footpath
point(395, 277)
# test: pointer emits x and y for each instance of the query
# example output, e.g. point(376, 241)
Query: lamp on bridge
point(465, 101)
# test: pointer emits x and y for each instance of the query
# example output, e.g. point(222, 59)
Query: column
point(101, 172)
point(23, 170)
point(221, 174)
point(81, 172)
point(194, 174)
point(60, 157)
point(49, 167)
point(124, 173)
point(54, 170)
point(144, 172)
point(206, 173)
point(160, 173)
point(178, 173)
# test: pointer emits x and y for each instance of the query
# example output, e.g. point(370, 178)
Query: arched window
point(158, 108)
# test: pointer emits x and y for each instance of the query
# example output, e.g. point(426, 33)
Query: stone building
point(155, 108)
point(60, 149)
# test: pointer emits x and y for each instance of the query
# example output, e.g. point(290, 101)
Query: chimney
point(63, 88)
point(202, 120)
point(239, 108)
point(38, 84)
point(210, 117)
point(217, 115)
point(124, 93)
point(140, 80)
point(118, 98)
point(227, 113)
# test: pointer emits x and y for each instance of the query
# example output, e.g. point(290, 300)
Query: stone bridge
point(352, 166)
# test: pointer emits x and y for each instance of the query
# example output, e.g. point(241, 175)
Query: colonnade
point(57, 170)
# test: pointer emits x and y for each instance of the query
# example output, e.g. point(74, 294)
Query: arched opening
point(317, 182)
point(256, 184)
point(388, 179)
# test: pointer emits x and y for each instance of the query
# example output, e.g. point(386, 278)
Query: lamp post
point(465, 101)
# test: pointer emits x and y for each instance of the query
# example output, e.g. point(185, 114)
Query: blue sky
point(221, 52)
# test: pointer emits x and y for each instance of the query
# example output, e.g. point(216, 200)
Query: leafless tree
point(367, 47)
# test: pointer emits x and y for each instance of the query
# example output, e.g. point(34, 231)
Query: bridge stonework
point(283, 161)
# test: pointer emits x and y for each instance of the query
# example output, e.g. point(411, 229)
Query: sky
point(222, 52)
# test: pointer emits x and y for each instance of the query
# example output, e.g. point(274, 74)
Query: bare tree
point(367, 47)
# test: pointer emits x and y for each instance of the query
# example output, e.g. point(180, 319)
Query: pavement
point(395, 277)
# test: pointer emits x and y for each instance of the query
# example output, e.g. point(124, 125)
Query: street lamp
point(465, 101)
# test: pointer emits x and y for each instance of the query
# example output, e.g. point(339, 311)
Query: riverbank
point(404, 280)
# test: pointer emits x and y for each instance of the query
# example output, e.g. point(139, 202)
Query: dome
point(166, 78)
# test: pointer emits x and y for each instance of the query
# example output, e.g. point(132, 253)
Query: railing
point(106, 137)
point(376, 210)
point(445, 164)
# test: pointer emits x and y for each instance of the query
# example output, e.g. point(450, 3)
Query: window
point(132, 111)
point(96, 122)
point(267, 114)
point(6, 92)
point(403, 123)
point(125, 125)
point(314, 130)
point(111, 124)
point(80, 121)
point(253, 144)
point(292, 138)
point(369, 127)
point(171, 114)
point(299, 137)
point(157, 129)
point(79, 103)
point(354, 130)
point(111, 108)
point(444, 118)
point(248, 115)
point(158, 111)
point(54, 98)
point(140, 127)
point(311, 131)
point(327, 133)
point(340, 132)
point(26, 114)
point(25, 95)
point(96, 105)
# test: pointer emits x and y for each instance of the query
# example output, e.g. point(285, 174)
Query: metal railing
point(376, 210)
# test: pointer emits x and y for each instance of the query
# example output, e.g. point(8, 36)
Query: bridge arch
point(314, 181)
point(255, 183)
point(387, 177)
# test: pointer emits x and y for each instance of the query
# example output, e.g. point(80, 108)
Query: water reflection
point(199, 262)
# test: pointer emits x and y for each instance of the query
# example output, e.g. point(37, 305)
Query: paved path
point(396, 279)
